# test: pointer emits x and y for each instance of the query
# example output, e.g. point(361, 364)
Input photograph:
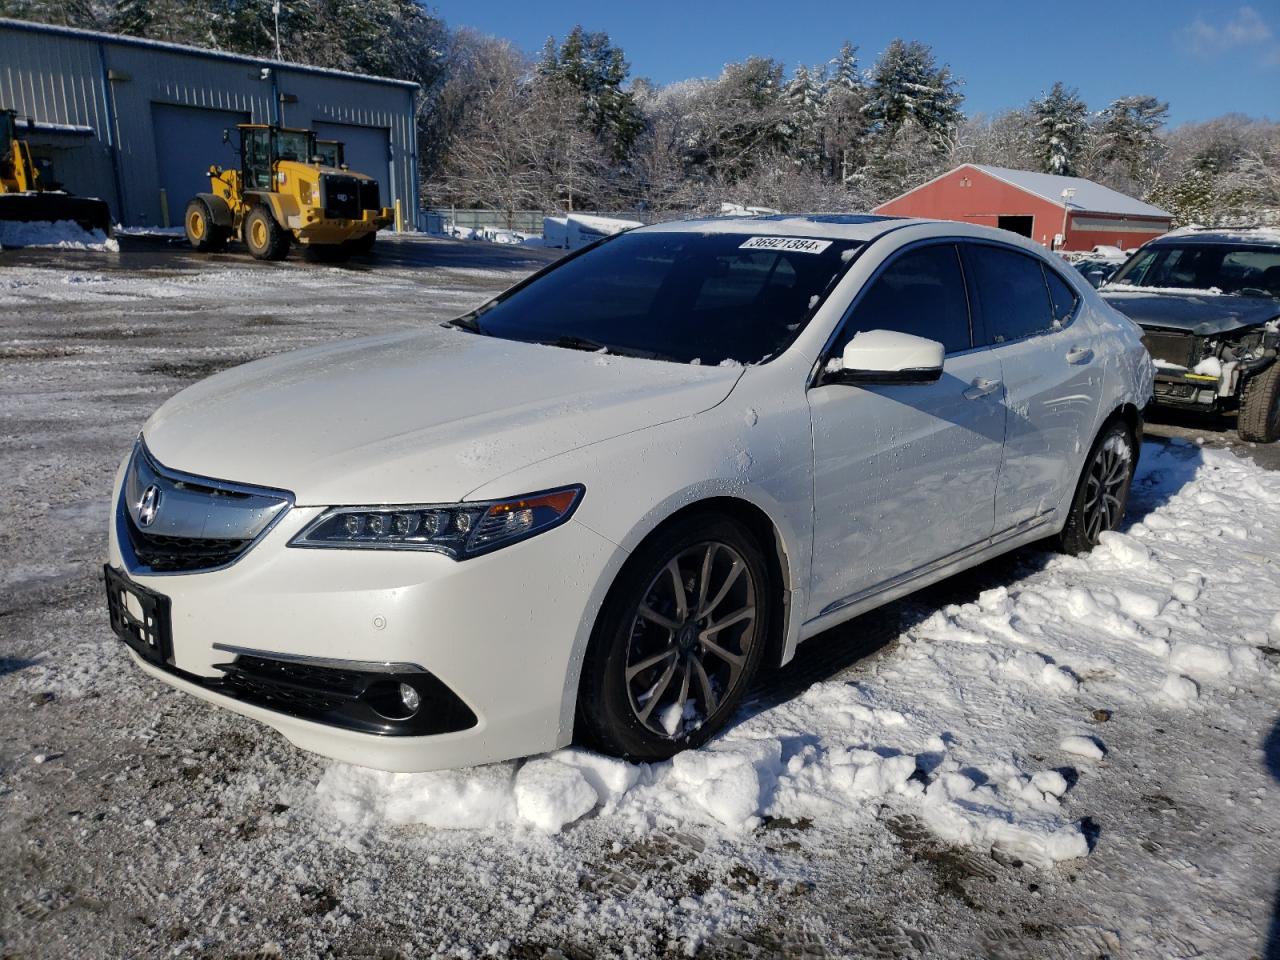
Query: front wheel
point(203, 233)
point(1103, 491)
point(679, 638)
point(265, 238)
point(1260, 407)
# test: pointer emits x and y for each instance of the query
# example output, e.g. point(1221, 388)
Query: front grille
point(340, 196)
point(369, 197)
point(182, 554)
point(173, 522)
point(1171, 346)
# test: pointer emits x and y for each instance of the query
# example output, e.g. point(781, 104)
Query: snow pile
point(64, 234)
point(976, 724)
point(576, 230)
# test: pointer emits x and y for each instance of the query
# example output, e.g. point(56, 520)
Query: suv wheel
point(1260, 407)
point(1103, 490)
point(679, 638)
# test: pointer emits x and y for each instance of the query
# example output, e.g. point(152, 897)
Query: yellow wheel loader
point(284, 192)
point(28, 192)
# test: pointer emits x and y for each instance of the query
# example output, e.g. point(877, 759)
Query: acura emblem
point(149, 506)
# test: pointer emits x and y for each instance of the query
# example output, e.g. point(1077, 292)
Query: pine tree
point(803, 99)
point(908, 85)
point(844, 126)
point(591, 69)
point(1061, 123)
point(1126, 134)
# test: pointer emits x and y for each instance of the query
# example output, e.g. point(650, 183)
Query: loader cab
point(8, 130)
point(331, 153)
point(263, 146)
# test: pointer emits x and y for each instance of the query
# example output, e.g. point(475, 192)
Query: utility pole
point(1067, 194)
point(275, 11)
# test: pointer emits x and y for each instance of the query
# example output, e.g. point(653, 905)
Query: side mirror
point(886, 356)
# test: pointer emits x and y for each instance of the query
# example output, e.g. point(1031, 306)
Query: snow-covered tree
point(589, 67)
point(803, 97)
point(1062, 124)
point(908, 85)
point(1125, 142)
point(844, 126)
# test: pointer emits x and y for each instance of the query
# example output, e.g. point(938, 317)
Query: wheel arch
point(218, 209)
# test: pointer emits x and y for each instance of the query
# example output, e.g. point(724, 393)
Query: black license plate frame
point(151, 635)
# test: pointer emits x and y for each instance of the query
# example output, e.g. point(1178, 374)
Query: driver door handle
point(1079, 355)
point(981, 387)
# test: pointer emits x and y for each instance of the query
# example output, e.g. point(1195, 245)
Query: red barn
point(1065, 213)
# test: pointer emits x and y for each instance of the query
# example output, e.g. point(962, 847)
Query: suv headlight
point(461, 530)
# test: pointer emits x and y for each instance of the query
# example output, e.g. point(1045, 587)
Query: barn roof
point(1089, 197)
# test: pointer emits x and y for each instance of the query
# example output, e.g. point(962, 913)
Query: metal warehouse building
point(137, 122)
point(1067, 213)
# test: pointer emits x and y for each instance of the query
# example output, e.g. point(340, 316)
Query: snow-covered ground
point(1049, 756)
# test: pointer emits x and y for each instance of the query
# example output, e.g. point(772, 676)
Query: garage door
point(368, 151)
point(188, 139)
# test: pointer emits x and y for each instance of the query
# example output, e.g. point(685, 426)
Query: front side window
point(920, 292)
point(680, 296)
point(1011, 288)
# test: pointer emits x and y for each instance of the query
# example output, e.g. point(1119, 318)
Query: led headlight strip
point(461, 530)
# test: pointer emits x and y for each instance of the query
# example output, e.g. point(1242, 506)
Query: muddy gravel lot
point(138, 822)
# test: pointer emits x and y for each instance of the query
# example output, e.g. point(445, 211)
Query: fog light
point(409, 697)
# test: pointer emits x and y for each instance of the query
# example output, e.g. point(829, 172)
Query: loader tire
point(1260, 407)
point(202, 233)
point(265, 238)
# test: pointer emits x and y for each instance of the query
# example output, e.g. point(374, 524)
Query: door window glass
point(1012, 291)
point(921, 292)
point(1061, 295)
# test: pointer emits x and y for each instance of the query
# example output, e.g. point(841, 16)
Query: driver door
point(905, 475)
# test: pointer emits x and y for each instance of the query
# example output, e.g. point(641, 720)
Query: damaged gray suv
point(1208, 302)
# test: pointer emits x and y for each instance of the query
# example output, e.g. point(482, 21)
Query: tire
point(1260, 407)
point(1102, 493)
point(202, 233)
point(675, 659)
point(265, 238)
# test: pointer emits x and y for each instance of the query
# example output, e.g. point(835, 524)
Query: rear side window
point(1011, 288)
point(921, 292)
point(1061, 296)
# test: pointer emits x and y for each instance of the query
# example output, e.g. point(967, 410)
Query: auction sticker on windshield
point(796, 244)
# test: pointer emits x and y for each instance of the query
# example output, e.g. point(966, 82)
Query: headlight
point(460, 530)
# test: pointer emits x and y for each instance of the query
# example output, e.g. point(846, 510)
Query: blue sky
point(1206, 57)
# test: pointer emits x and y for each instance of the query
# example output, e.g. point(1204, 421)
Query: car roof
point(1260, 235)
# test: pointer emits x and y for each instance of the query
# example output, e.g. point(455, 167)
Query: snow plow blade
point(88, 213)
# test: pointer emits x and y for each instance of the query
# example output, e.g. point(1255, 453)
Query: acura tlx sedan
point(594, 507)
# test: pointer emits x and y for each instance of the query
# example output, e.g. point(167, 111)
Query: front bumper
point(313, 228)
point(504, 632)
point(1186, 390)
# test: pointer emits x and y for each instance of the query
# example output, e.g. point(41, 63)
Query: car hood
point(1201, 314)
point(420, 417)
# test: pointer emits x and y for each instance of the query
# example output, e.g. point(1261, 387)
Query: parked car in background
point(593, 507)
point(1096, 271)
point(1208, 302)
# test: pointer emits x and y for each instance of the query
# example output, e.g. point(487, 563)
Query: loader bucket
point(87, 213)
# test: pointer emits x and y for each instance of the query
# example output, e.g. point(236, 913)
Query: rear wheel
point(1260, 407)
point(678, 641)
point(1103, 491)
point(265, 238)
point(202, 233)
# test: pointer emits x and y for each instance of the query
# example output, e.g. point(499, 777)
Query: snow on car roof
point(1219, 234)
point(836, 226)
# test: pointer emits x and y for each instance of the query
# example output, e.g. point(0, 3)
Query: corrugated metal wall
point(60, 76)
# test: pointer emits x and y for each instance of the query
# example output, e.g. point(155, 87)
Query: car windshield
point(681, 296)
point(1251, 270)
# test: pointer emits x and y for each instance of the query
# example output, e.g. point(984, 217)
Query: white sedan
point(594, 507)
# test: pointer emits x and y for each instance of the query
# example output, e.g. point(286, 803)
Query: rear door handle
point(1079, 355)
point(981, 387)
